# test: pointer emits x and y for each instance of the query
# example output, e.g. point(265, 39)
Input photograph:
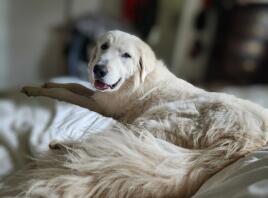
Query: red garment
point(132, 8)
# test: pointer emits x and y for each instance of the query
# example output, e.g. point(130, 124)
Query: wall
point(32, 37)
point(3, 43)
point(31, 26)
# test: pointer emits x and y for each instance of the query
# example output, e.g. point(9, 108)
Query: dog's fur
point(169, 139)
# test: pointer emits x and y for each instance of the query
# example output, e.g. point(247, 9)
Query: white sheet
point(27, 125)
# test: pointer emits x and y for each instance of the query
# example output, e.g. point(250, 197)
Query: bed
point(27, 125)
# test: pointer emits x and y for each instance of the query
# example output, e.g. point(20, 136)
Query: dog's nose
point(100, 71)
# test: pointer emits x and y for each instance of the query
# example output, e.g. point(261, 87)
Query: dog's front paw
point(31, 91)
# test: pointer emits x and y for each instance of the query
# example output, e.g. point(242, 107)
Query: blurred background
point(207, 42)
point(221, 45)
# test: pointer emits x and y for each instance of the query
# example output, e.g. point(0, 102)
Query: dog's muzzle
point(100, 71)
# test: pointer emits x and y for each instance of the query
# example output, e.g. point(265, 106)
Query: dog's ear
point(92, 54)
point(147, 60)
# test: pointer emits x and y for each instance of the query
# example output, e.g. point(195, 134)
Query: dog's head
point(120, 58)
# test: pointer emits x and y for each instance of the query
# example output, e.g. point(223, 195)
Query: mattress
point(27, 125)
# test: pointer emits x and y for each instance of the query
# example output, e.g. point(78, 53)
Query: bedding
point(27, 125)
point(248, 177)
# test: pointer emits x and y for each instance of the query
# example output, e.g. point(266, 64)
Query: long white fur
point(170, 138)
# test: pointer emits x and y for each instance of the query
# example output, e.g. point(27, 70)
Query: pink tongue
point(100, 85)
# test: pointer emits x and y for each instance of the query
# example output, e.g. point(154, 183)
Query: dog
point(168, 139)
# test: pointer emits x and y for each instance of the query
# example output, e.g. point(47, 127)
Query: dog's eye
point(104, 46)
point(126, 55)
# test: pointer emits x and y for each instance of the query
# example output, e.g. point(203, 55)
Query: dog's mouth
point(103, 86)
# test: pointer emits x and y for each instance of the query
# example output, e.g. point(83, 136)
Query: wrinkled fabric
point(27, 125)
point(248, 177)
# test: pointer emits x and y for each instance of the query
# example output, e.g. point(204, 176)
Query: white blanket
point(27, 125)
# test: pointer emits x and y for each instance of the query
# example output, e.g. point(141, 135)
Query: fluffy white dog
point(169, 139)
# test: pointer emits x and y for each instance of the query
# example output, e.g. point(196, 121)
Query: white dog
point(170, 136)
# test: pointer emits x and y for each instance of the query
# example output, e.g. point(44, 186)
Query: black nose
point(100, 71)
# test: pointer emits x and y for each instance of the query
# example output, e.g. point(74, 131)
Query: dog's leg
point(73, 87)
point(63, 95)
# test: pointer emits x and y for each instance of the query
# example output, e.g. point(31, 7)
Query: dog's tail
point(120, 164)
